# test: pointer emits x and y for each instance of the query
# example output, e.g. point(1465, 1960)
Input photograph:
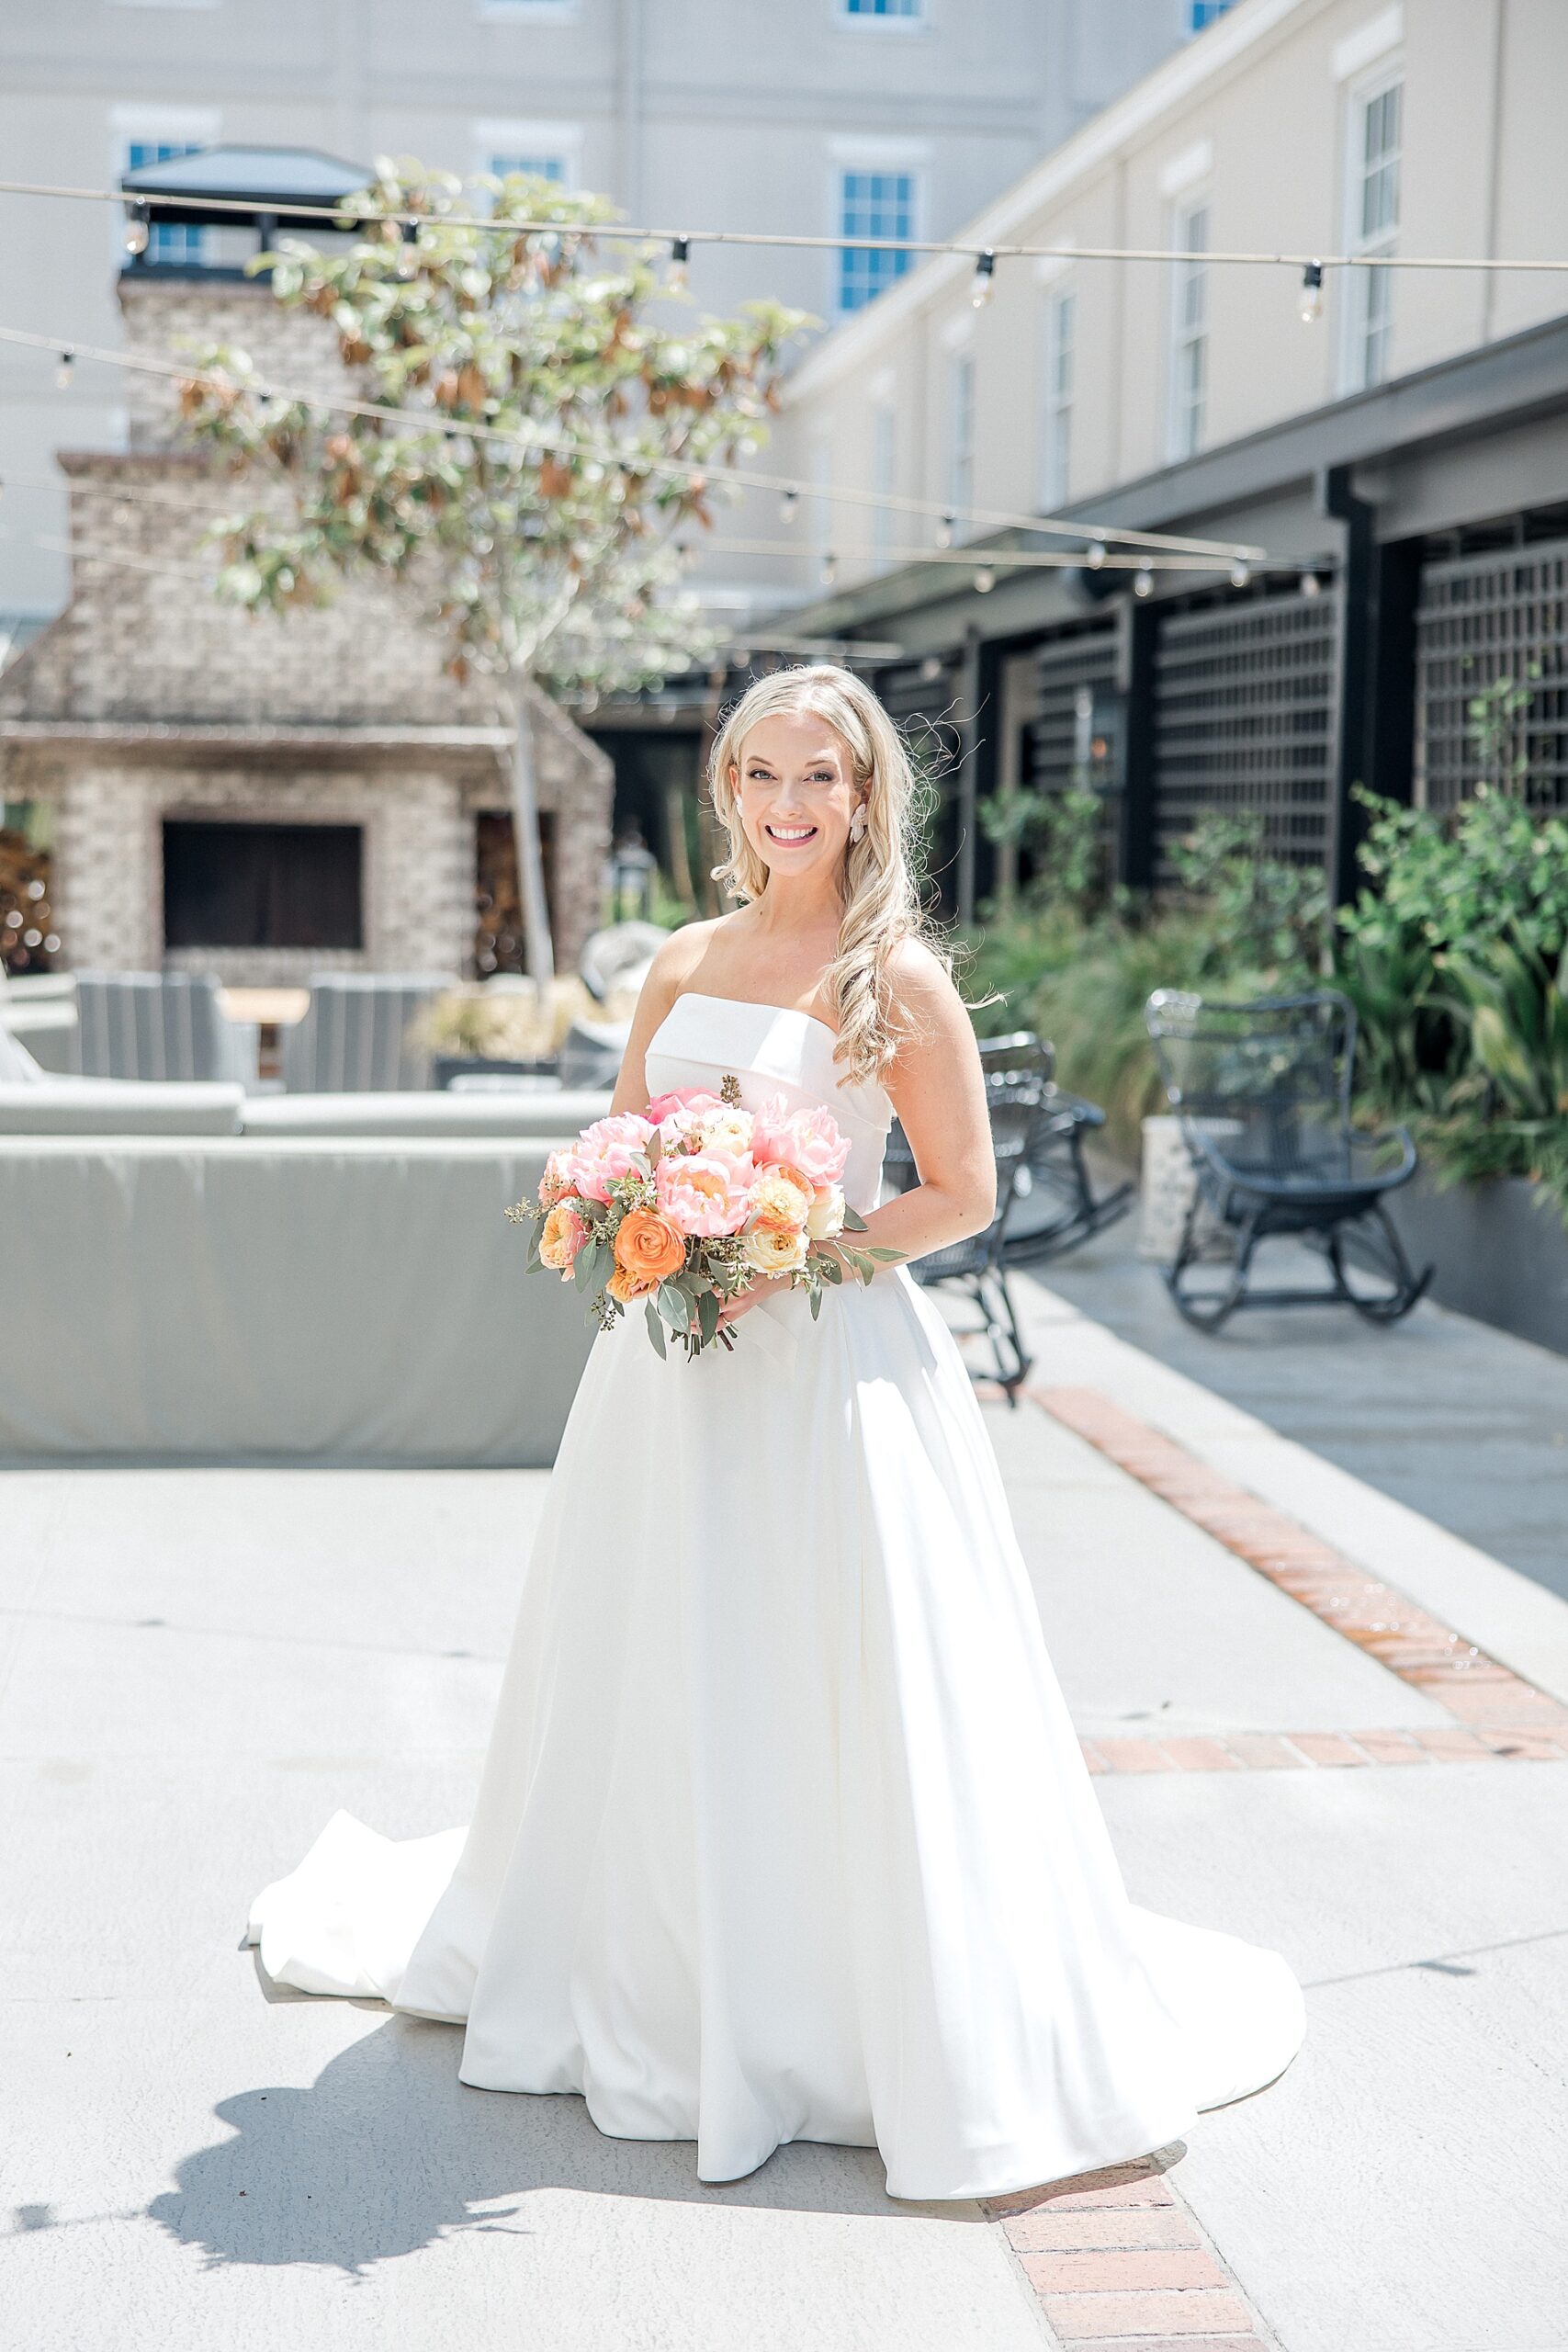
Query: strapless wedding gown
point(784, 1831)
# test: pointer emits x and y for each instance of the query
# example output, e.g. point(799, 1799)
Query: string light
point(1143, 580)
point(1240, 574)
point(136, 230)
point(680, 254)
point(789, 505)
point(1309, 301)
point(1096, 556)
point(945, 531)
point(1311, 586)
point(985, 581)
point(65, 370)
point(985, 280)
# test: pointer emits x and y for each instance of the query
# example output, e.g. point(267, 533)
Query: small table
point(271, 1009)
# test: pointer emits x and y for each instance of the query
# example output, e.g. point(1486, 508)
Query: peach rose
point(702, 1193)
point(649, 1249)
point(562, 1236)
point(781, 1195)
point(626, 1287)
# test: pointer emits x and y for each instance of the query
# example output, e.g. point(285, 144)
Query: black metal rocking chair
point(1263, 1094)
point(979, 1265)
point(1055, 1204)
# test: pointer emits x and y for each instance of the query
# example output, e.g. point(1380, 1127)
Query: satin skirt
point(784, 1831)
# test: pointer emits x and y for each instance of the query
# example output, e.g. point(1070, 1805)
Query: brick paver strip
point(1120, 2263)
point(1499, 1713)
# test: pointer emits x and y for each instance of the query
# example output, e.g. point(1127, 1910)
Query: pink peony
point(680, 1098)
point(701, 1193)
point(557, 1180)
point(808, 1140)
point(608, 1150)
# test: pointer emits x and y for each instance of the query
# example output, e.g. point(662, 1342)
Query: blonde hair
point(880, 890)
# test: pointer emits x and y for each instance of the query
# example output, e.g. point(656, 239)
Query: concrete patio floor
point(197, 1667)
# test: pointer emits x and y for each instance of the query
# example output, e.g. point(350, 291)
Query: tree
point(569, 435)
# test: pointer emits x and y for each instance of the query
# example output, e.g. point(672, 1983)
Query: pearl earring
point(857, 823)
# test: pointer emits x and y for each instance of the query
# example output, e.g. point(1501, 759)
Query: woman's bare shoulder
point(921, 990)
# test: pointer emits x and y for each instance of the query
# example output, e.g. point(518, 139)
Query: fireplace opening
point(261, 886)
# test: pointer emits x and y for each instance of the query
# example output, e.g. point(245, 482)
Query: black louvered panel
point(1484, 620)
point(1077, 710)
point(1243, 699)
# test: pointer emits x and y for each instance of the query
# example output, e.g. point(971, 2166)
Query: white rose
point(826, 1215)
point(774, 1249)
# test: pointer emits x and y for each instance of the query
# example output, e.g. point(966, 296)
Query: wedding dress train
point(784, 1831)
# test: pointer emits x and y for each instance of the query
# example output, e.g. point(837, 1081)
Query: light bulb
point(1096, 556)
point(789, 505)
point(680, 254)
point(1241, 572)
point(1309, 301)
point(984, 284)
point(136, 231)
point(1143, 580)
point(985, 581)
point(1311, 584)
point(65, 370)
point(830, 571)
point(945, 532)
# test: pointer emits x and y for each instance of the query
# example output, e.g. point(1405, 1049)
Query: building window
point(883, 12)
point(1371, 227)
point(1189, 330)
point(883, 469)
point(1203, 11)
point(872, 204)
point(170, 244)
point(549, 151)
point(961, 442)
point(1061, 329)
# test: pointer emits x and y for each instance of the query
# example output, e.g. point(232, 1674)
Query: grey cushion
point(160, 1025)
point(118, 1107)
point(554, 1115)
point(234, 1298)
point(355, 1037)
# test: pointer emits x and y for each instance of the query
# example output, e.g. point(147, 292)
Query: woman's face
point(796, 790)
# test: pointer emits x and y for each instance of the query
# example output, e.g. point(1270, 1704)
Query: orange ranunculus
point(649, 1249)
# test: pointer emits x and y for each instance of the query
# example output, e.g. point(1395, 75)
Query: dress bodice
point(772, 1049)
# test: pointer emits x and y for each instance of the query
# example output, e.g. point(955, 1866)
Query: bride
point(784, 1831)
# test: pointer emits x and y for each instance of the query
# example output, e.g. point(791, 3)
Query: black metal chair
point(1055, 1204)
point(978, 1265)
point(1263, 1094)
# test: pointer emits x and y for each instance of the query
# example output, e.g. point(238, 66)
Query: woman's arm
point(938, 1089)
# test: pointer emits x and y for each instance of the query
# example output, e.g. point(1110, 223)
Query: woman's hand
point(764, 1286)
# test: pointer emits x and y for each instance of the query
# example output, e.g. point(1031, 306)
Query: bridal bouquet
point(690, 1205)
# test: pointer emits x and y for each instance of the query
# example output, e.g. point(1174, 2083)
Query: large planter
point(1501, 1252)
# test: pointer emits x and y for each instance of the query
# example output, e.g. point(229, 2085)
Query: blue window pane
point(884, 8)
point(872, 204)
point(541, 167)
point(1203, 11)
point(169, 242)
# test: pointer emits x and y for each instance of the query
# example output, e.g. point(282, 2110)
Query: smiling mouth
point(791, 836)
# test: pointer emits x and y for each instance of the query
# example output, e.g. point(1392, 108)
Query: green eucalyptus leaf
point(655, 1328)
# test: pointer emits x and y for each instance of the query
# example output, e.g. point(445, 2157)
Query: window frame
point(849, 166)
point(1367, 309)
point(182, 131)
point(1057, 405)
point(1186, 414)
point(495, 137)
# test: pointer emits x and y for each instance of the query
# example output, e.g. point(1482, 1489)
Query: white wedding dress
point(784, 1831)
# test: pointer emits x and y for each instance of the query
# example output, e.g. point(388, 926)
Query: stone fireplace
point(257, 798)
